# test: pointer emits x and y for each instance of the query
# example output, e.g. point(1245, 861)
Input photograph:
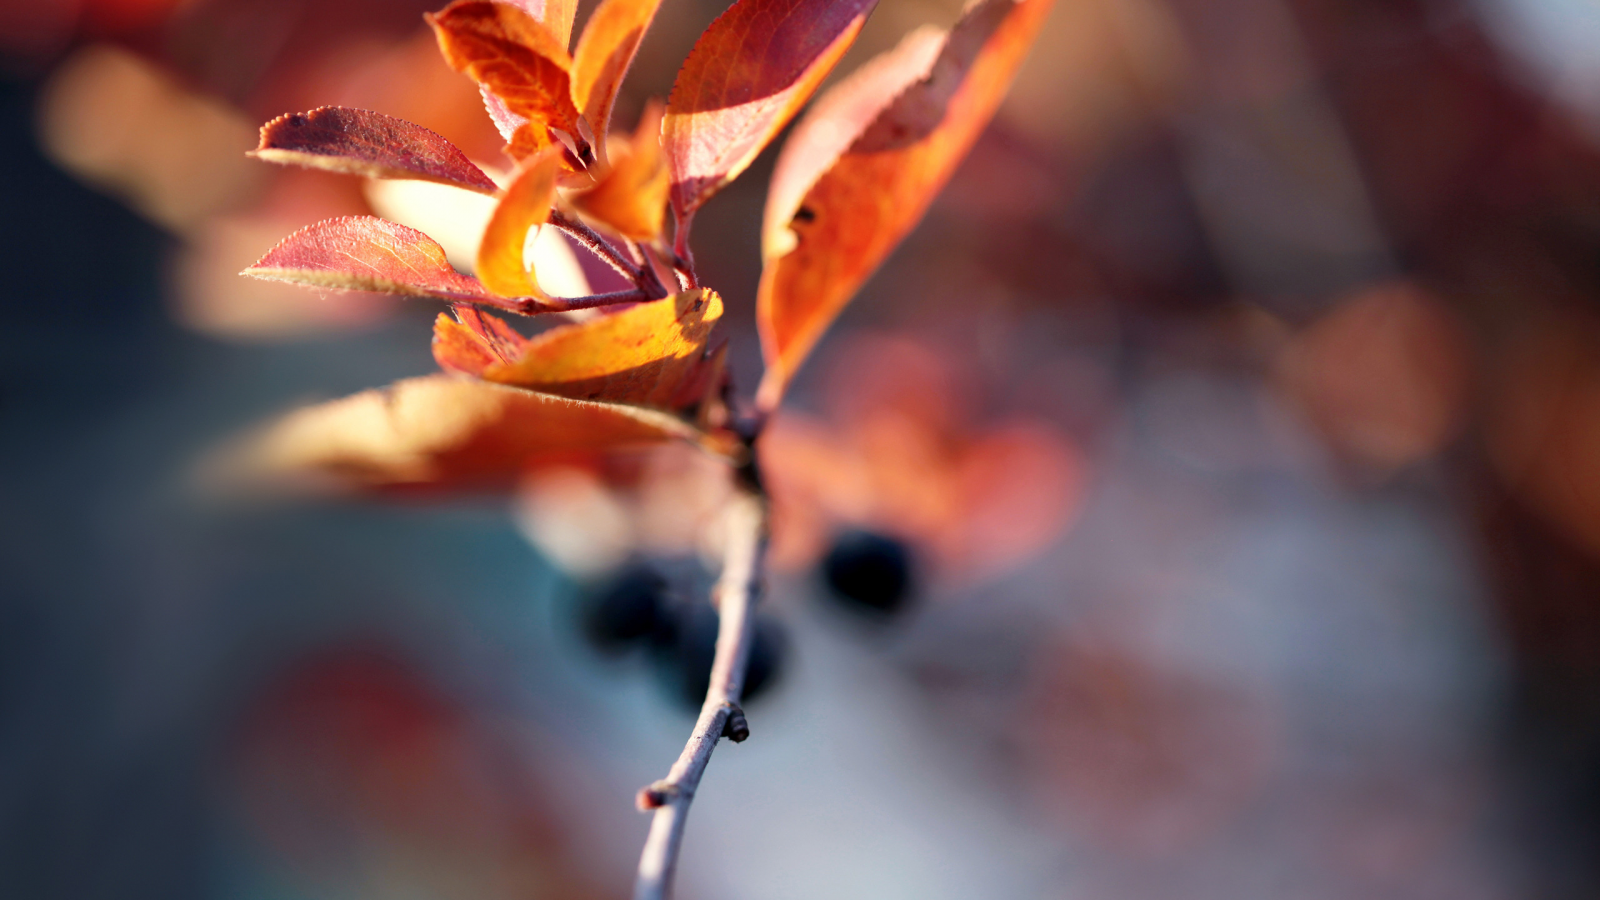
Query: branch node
point(656, 795)
point(735, 728)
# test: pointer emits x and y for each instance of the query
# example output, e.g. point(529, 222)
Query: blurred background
point(1234, 416)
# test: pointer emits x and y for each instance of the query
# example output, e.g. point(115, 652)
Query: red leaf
point(368, 143)
point(746, 77)
point(362, 253)
point(820, 249)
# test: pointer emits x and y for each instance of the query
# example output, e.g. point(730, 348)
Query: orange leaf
point(362, 253)
point(747, 76)
point(526, 203)
point(871, 196)
point(643, 355)
point(631, 197)
point(605, 50)
point(516, 59)
point(436, 431)
point(834, 122)
point(368, 143)
point(556, 15)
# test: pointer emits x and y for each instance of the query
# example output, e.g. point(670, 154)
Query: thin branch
point(567, 304)
point(745, 526)
point(596, 244)
point(533, 306)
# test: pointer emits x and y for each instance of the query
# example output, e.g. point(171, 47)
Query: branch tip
point(656, 795)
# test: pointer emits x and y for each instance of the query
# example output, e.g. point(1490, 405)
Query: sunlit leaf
point(631, 197)
point(516, 59)
point(643, 355)
point(604, 53)
point(834, 122)
point(555, 15)
point(362, 253)
point(368, 143)
point(437, 431)
point(862, 205)
point(747, 76)
point(526, 203)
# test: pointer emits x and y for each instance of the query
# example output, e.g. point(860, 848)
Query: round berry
point(685, 661)
point(630, 607)
point(869, 572)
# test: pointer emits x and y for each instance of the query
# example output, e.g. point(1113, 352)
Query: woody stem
point(720, 715)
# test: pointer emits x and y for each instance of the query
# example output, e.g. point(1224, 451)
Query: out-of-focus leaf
point(643, 355)
point(747, 76)
point(871, 196)
point(436, 431)
point(368, 143)
point(526, 203)
point(516, 59)
point(604, 53)
point(631, 197)
point(362, 253)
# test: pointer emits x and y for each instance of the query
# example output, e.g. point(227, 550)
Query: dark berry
point(869, 572)
point(630, 607)
point(685, 661)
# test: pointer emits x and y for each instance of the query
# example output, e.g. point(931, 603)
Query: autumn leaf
point(368, 143)
point(439, 431)
point(517, 60)
point(362, 253)
point(744, 80)
point(555, 15)
point(525, 204)
point(834, 122)
point(630, 197)
point(863, 203)
point(643, 355)
point(605, 51)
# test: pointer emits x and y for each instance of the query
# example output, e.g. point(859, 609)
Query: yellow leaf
point(643, 355)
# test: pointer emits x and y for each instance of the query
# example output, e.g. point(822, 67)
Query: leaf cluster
point(854, 178)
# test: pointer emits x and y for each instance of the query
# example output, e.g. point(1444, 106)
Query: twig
point(533, 306)
point(746, 531)
point(567, 304)
point(597, 244)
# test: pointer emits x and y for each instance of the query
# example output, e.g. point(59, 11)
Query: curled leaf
point(362, 253)
point(439, 431)
point(501, 262)
point(746, 77)
point(368, 143)
point(643, 355)
point(631, 197)
point(863, 203)
point(605, 51)
point(518, 61)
